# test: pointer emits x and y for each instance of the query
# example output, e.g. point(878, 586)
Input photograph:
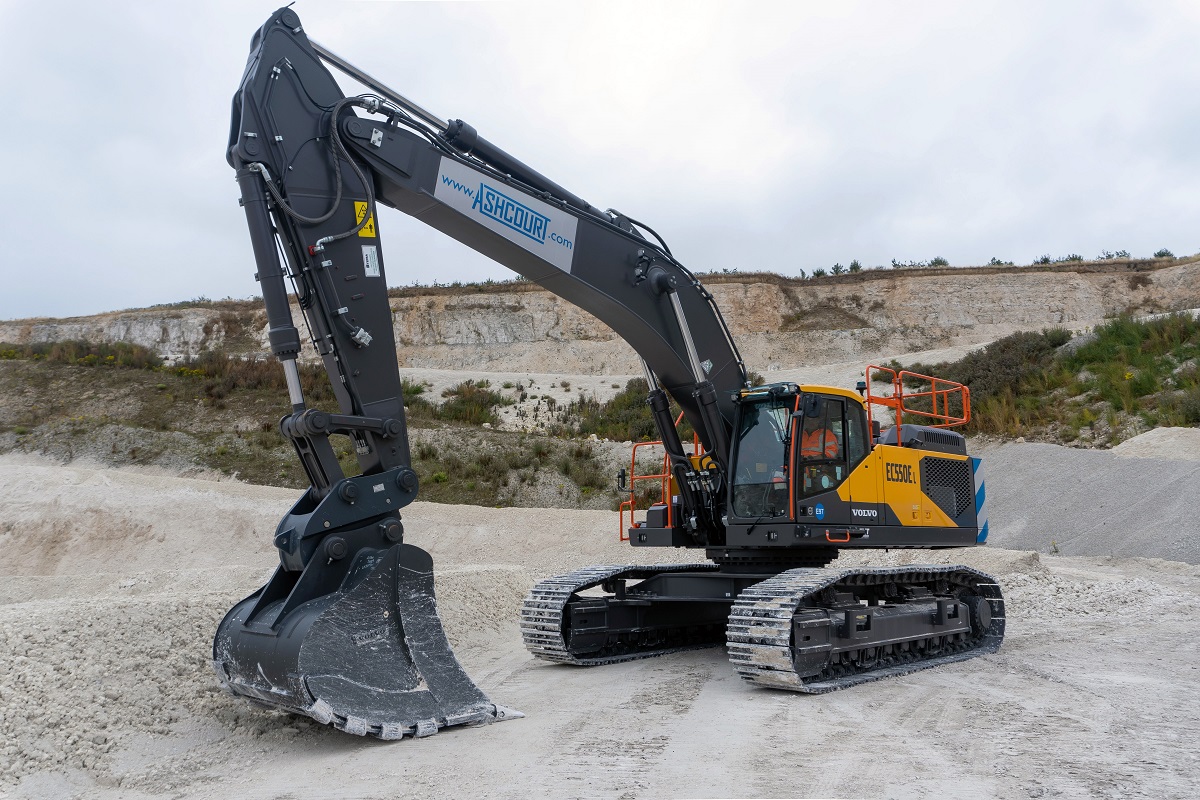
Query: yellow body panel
point(890, 475)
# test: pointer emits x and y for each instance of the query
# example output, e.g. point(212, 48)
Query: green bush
point(1028, 381)
point(471, 402)
point(222, 375)
point(88, 354)
point(1003, 364)
point(624, 418)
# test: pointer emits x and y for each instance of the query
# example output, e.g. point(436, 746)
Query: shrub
point(223, 375)
point(1004, 365)
point(87, 354)
point(626, 417)
point(995, 262)
point(471, 402)
point(838, 269)
point(1164, 253)
point(855, 266)
point(938, 261)
point(818, 273)
point(582, 467)
point(1057, 337)
point(1189, 406)
point(1025, 382)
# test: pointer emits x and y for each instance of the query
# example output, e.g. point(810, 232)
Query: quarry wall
point(776, 322)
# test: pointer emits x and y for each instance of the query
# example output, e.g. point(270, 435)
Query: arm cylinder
point(281, 330)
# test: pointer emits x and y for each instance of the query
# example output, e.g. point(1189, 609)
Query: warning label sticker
point(367, 231)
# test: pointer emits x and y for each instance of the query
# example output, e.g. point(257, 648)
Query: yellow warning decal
point(368, 230)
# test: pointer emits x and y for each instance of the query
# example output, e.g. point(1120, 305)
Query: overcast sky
point(779, 136)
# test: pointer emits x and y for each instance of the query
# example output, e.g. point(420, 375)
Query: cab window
point(824, 448)
point(856, 434)
point(760, 482)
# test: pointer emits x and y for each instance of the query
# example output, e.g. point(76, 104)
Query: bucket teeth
point(320, 711)
point(391, 731)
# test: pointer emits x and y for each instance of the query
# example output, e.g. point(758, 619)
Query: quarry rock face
point(173, 334)
point(776, 322)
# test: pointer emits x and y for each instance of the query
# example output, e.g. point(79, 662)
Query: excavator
point(777, 481)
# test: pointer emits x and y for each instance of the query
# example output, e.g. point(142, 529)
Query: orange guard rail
point(939, 392)
point(664, 484)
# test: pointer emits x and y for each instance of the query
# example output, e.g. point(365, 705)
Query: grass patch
point(471, 402)
point(84, 354)
point(624, 418)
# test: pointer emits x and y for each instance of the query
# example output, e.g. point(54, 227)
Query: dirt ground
point(114, 581)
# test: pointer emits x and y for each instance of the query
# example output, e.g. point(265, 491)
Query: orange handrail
point(940, 393)
point(664, 478)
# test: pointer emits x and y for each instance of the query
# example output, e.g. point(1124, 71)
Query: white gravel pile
point(1122, 503)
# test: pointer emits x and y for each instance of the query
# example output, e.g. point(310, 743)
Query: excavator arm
point(322, 161)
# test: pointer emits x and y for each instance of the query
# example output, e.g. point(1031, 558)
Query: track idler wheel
point(369, 657)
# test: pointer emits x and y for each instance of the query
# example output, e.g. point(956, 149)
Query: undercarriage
point(805, 629)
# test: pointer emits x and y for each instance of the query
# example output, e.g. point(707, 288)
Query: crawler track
point(760, 627)
point(542, 626)
point(759, 630)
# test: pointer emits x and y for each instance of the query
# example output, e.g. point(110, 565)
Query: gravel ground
point(113, 583)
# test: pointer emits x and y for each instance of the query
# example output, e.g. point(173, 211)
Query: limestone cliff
point(776, 322)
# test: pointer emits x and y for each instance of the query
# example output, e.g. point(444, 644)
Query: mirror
point(814, 404)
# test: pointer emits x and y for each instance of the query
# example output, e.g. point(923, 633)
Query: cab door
point(822, 446)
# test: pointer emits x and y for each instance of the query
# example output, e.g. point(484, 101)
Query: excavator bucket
point(369, 657)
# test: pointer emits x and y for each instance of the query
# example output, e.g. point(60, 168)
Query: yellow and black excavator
point(779, 478)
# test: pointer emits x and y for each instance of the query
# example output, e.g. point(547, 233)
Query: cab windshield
point(760, 472)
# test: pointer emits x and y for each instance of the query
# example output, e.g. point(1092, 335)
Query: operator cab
point(791, 444)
